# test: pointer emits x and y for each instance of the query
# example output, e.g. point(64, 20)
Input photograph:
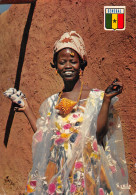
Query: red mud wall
point(110, 55)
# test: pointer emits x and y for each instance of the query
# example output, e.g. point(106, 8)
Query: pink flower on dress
point(67, 126)
point(95, 147)
point(96, 90)
point(101, 191)
point(113, 169)
point(78, 165)
point(72, 188)
point(75, 116)
point(58, 133)
point(83, 183)
point(33, 183)
point(59, 141)
point(38, 136)
point(51, 188)
point(123, 172)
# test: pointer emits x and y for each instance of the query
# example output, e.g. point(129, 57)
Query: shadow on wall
point(19, 69)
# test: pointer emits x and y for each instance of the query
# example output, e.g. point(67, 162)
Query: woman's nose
point(68, 65)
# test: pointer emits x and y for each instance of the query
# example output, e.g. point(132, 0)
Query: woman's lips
point(68, 73)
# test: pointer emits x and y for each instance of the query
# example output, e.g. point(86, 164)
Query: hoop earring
point(56, 72)
point(81, 73)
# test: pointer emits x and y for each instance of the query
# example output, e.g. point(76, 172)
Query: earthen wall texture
point(110, 56)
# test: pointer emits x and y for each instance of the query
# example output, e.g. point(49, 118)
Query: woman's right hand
point(21, 105)
point(18, 98)
point(24, 109)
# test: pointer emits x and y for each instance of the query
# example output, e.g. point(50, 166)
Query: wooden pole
point(19, 69)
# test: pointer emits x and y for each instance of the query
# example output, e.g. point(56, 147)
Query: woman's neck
point(72, 85)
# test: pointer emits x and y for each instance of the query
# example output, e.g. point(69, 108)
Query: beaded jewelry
point(72, 54)
point(65, 106)
point(56, 72)
point(81, 73)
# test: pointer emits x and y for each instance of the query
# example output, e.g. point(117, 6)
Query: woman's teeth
point(68, 72)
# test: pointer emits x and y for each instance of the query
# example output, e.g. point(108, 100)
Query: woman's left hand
point(114, 89)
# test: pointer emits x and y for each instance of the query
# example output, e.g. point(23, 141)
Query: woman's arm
point(114, 89)
point(18, 98)
point(102, 119)
point(29, 114)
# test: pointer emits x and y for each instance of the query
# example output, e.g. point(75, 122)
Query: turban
point(71, 40)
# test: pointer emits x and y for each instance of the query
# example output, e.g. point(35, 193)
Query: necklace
point(65, 106)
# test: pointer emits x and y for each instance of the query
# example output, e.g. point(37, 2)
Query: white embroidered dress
point(66, 156)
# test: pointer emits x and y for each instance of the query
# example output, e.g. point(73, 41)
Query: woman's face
point(68, 64)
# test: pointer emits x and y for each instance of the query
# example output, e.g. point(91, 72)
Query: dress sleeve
point(113, 155)
point(41, 144)
point(44, 122)
point(45, 111)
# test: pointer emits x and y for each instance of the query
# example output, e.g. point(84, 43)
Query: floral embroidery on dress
point(64, 136)
point(91, 168)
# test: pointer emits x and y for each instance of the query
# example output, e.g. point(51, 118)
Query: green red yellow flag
point(114, 17)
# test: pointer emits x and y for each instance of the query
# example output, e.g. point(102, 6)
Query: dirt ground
point(110, 56)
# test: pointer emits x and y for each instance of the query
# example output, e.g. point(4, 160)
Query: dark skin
point(68, 67)
point(72, 84)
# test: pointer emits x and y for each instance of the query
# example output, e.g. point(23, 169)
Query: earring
point(56, 72)
point(81, 73)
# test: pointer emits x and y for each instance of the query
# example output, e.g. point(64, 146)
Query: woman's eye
point(62, 63)
point(73, 62)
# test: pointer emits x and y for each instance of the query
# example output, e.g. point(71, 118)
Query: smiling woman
point(77, 147)
point(68, 65)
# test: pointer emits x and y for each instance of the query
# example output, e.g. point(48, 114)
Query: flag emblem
point(114, 17)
